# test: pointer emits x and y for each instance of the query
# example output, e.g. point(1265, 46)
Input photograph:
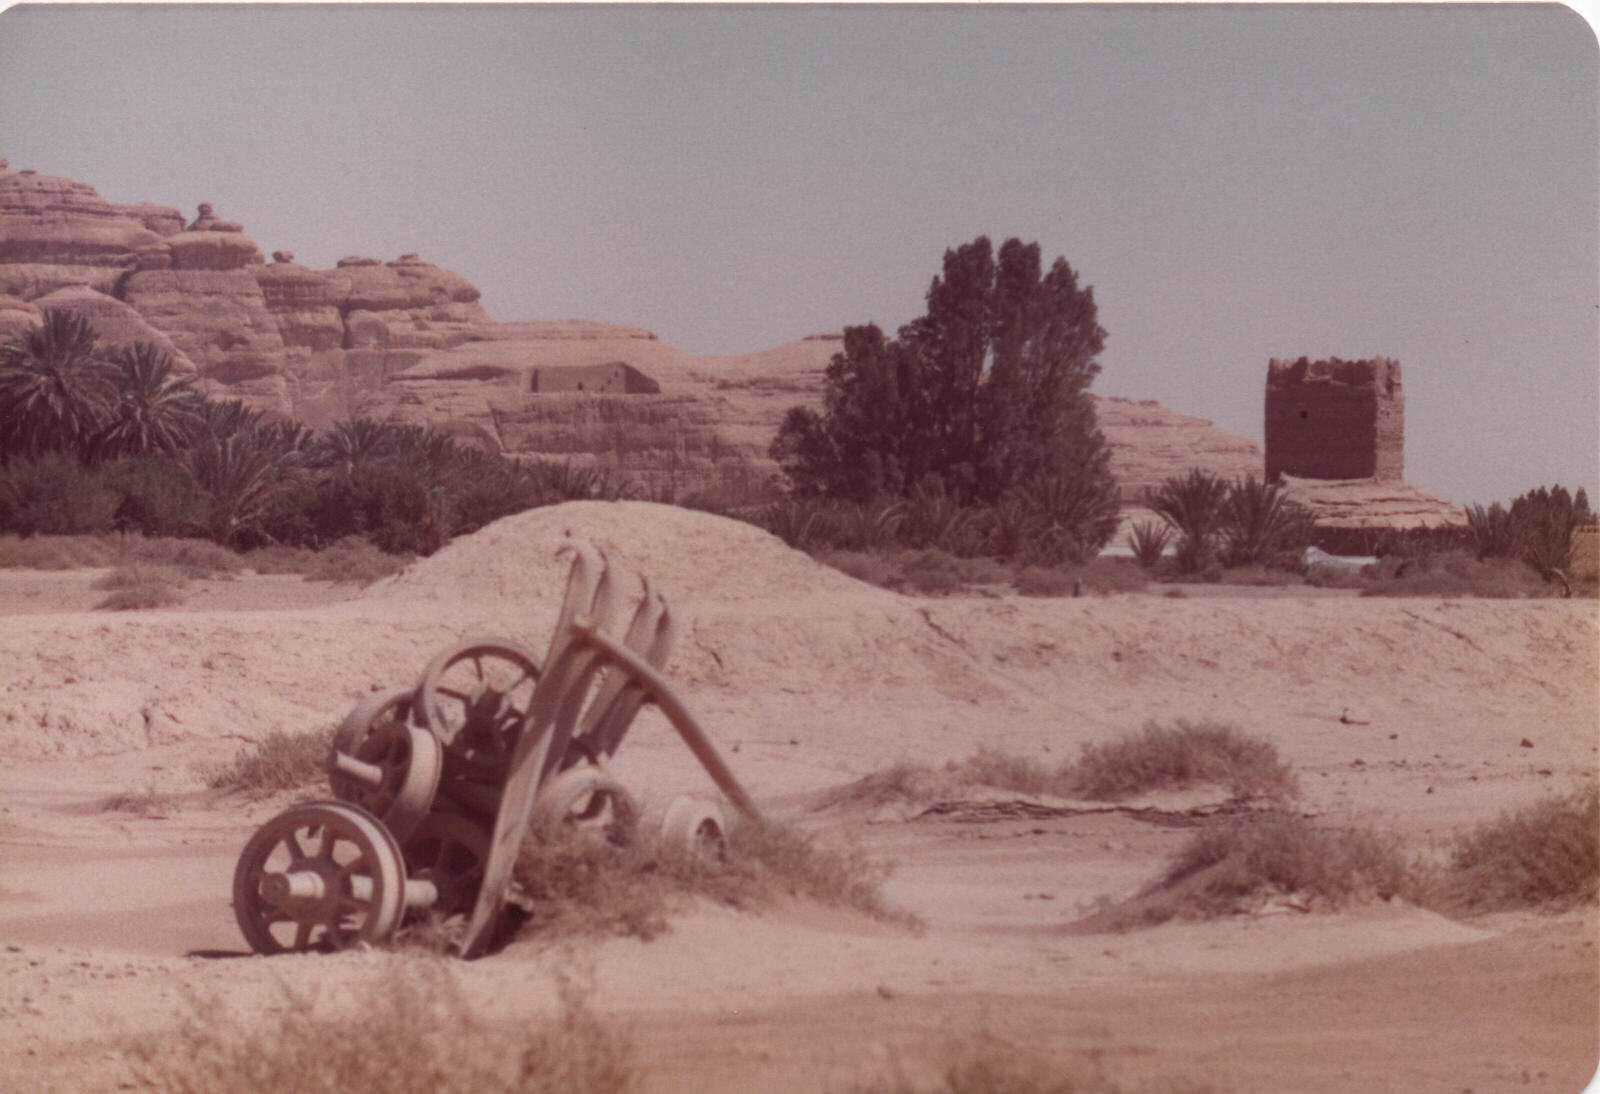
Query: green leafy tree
point(56, 389)
point(985, 392)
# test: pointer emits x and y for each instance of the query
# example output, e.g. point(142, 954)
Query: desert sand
point(1406, 715)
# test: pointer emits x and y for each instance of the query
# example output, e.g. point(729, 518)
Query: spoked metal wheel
point(449, 851)
point(384, 764)
point(589, 800)
point(473, 697)
point(319, 876)
point(695, 828)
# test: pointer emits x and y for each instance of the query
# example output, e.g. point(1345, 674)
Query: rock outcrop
point(297, 342)
point(408, 341)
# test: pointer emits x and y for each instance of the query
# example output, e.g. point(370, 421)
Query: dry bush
point(412, 1032)
point(1453, 573)
point(931, 573)
point(349, 559)
point(1157, 757)
point(279, 559)
point(1004, 771)
point(1184, 754)
point(53, 552)
point(569, 882)
point(987, 1064)
point(138, 575)
point(353, 559)
point(1112, 575)
point(280, 761)
point(142, 803)
point(1544, 855)
point(194, 558)
point(1045, 581)
point(1241, 864)
point(874, 569)
point(139, 587)
point(1257, 575)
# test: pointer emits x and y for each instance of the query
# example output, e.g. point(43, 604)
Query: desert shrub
point(1544, 855)
point(141, 586)
point(1005, 771)
point(278, 559)
point(1545, 520)
point(279, 761)
point(868, 525)
point(1183, 754)
point(1157, 757)
point(1043, 581)
point(1148, 540)
point(54, 552)
point(874, 569)
point(412, 1032)
point(802, 523)
point(54, 494)
point(1494, 533)
point(141, 803)
point(191, 558)
point(1111, 575)
point(138, 575)
point(137, 598)
point(557, 482)
point(1259, 525)
point(987, 1065)
point(1192, 505)
point(932, 573)
point(352, 559)
point(1256, 575)
point(1240, 864)
point(575, 883)
point(155, 497)
point(1451, 573)
point(383, 502)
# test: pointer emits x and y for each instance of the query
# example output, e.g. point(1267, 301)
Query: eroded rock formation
point(409, 341)
point(303, 343)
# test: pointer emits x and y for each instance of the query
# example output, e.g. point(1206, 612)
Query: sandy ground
point(1407, 715)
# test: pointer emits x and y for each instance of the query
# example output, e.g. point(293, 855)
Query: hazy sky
point(1237, 183)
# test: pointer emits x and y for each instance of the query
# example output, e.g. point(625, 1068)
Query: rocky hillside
point(409, 341)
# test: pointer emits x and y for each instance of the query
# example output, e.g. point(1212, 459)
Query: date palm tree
point(1192, 504)
point(155, 410)
point(56, 389)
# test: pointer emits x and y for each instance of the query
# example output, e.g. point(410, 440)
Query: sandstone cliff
point(408, 341)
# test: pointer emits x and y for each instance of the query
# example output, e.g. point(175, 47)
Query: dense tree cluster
point(94, 440)
point(985, 395)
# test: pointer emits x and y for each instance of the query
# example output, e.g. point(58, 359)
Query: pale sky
point(1236, 183)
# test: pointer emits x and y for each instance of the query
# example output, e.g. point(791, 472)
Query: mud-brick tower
point(1335, 419)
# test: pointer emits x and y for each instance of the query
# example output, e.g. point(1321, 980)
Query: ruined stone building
point(615, 378)
point(1335, 419)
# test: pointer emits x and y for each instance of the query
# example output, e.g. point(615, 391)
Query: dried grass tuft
point(412, 1032)
point(1546, 855)
point(280, 761)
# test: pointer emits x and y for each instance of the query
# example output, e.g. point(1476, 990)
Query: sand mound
point(693, 557)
